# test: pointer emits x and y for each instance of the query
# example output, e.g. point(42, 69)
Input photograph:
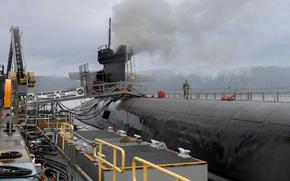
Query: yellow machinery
point(29, 79)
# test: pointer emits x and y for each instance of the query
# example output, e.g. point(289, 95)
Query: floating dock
point(83, 148)
point(96, 154)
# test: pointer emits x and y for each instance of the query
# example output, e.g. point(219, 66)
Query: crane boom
point(15, 53)
point(15, 57)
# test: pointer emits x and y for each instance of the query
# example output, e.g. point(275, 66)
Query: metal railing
point(98, 155)
point(147, 164)
point(50, 119)
point(265, 96)
point(66, 132)
point(89, 91)
point(106, 89)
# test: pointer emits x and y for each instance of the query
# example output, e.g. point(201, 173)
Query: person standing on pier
point(185, 89)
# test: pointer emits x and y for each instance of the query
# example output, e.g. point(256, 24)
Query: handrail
point(99, 156)
point(66, 131)
point(64, 127)
point(147, 164)
point(240, 95)
point(107, 88)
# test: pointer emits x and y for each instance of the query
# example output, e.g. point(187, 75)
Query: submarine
point(245, 141)
point(240, 140)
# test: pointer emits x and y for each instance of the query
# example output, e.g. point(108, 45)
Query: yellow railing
point(66, 132)
point(147, 164)
point(99, 155)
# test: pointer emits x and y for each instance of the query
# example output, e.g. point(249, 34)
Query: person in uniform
point(185, 89)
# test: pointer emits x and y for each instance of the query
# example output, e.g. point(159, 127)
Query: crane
point(15, 56)
point(16, 75)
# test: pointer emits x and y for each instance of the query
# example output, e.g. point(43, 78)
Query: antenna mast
point(110, 29)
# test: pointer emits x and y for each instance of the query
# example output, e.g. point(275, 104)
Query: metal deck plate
point(132, 149)
point(159, 157)
point(15, 142)
point(100, 134)
point(81, 155)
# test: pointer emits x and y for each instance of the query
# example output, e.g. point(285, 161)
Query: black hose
point(79, 114)
point(77, 110)
point(91, 117)
point(73, 111)
point(7, 171)
point(83, 120)
point(94, 114)
point(43, 148)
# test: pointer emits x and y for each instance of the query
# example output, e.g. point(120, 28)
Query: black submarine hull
point(248, 141)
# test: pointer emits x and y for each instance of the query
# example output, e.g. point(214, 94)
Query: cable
point(83, 120)
point(13, 172)
point(96, 113)
point(78, 114)
point(93, 113)
point(10, 155)
point(77, 110)
point(92, 117)
point(43, 149)
point(54, 165)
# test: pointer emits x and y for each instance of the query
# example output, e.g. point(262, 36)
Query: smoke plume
point(200, 30)
point(145, 25)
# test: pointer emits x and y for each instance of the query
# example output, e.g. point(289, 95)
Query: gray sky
point(184, 35)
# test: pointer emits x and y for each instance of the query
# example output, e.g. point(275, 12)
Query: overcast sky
point(185, 35)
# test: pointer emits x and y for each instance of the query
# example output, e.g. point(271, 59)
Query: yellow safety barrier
point(147, 164)
point(114, 166)
point(66, 132)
